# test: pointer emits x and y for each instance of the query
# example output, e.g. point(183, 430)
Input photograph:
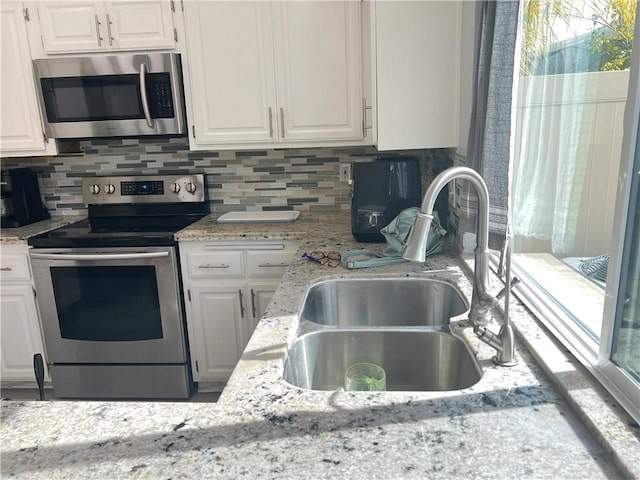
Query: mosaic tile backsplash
point(281, 179)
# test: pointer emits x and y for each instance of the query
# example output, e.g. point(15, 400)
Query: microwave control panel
point(159, 91)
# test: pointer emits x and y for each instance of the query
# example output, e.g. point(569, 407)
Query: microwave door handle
point(98, 257)
point(143, 94)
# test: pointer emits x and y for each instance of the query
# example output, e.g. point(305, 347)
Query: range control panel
point(143, 189)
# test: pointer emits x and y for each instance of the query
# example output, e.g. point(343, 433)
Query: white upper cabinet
point(140, 24)
point(96, 26)
point(318, 70)
point(267, 74)
point(417, 55)
point(72, 26)
point(21, 131)
point(231, 63)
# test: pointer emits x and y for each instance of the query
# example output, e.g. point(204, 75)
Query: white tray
point(254, 217)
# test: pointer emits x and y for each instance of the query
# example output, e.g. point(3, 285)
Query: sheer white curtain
point(568, 136)
point(551, 157)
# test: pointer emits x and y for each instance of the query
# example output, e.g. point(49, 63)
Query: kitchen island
point(543, 418)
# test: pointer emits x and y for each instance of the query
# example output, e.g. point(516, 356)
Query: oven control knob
point(190, 187)
point(175, 187)
point(110, 189)
point(95, 189)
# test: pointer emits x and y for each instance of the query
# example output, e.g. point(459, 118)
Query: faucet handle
point(482, 312)
point(504, 270)
point(506, 250)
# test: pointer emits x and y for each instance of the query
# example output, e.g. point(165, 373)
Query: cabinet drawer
point(14, 267)
point(218, 264)
point(268, 263)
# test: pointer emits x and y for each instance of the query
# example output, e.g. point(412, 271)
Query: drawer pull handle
point(214, 265)
point(6, 269)
point(238, 246)
point(268, 265)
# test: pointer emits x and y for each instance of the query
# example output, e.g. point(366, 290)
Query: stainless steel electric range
point(109, 293)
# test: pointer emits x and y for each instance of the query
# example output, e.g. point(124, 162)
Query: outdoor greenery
point(615, 41)
point(606, 47)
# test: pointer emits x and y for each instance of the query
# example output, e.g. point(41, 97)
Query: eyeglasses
point(331, 259)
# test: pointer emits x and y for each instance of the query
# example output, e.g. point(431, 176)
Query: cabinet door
point(21, 337)
point(69, 27)
point(417, 74)
point(318, 70)
point(231, 69)
point(261, 294)
point(139, 24)
point(21, 130)
point(217, 321)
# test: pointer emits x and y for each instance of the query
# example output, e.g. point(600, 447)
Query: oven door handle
point(98, 257)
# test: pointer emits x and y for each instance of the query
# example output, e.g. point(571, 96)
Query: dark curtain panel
point(490, 129)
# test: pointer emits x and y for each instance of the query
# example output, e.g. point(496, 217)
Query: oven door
point(110, 305)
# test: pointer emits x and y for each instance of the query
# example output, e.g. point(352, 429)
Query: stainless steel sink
point(400, 323)
point(382, 302)
point(413, 360)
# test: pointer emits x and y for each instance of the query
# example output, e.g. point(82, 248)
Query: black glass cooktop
point(121, 232)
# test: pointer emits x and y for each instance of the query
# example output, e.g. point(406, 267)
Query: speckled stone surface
point(308, 224)
point(514, 423)
point(21, 234)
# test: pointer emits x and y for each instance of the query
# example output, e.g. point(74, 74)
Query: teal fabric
point(396, 233)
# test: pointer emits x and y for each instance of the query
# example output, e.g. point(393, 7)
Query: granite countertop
point(524, 421)
point(19, 235)
point(307, 224)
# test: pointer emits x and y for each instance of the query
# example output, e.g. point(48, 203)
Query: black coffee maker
point(382, 189)
point(20, 198)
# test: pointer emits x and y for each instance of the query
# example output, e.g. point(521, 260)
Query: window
point(575, 231)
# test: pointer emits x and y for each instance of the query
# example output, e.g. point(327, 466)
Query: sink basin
point(382, 302)
point(401, 324)
point(413, 360)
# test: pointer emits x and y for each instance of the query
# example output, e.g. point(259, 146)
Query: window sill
point(580, 297)
point(603, 416)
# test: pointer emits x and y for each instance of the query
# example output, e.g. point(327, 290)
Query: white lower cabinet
point(227, 287)
point(21, 336)
point(217, 330)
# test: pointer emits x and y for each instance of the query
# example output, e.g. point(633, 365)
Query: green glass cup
point(365, 377)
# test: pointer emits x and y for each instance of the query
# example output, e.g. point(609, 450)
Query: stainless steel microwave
point(112, 95)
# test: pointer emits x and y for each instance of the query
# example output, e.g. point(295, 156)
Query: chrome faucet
point(482, 301)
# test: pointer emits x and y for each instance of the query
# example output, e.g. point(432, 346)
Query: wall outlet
point(345, 172)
